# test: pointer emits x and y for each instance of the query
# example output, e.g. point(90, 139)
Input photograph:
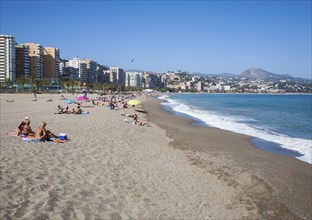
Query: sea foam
point(239, 124)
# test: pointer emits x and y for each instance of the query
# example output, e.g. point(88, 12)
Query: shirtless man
point(26, 129)
point(20, 126)
point(42, 134)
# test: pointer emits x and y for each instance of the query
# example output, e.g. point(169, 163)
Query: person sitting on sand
point(66, 110)
point(73, 111)
point(59, 110)
point(26, 129)
point(44, 135)
point(79, 111)
point(124, 105)
point(21, 126)
point(135, 118)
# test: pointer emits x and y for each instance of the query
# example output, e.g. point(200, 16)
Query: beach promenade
point(111, 169)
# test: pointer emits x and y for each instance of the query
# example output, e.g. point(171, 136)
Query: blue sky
point(194, 36)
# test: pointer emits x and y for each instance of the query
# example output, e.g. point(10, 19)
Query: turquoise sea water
point(279, 123)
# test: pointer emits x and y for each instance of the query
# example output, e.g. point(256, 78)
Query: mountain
point(260, 74)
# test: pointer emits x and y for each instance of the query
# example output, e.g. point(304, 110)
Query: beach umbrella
point(134, 102)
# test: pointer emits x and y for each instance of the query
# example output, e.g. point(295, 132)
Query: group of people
point(135, 119)
point(42, 134)
point(61, 110)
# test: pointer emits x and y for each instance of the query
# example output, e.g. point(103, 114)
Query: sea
point(279, 123)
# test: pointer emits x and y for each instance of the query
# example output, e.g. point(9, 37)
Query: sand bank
point(115, 170)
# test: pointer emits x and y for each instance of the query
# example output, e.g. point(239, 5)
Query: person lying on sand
point(144, 123)
point(126, 114)
point(44, 135)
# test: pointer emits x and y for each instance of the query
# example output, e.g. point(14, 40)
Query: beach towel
point(32, 138)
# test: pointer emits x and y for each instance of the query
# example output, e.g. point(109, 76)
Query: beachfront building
point(117, 76)
point(7, 59)
point(51, 62)
point(74, 62)
point(151, 80)
point(36, 60)
point(102, 75)
point(134, 79)
point(82, 72)
point(91, 70)
point(22, 61)
point(81, 67)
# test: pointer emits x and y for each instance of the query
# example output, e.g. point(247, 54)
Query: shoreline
point(257, 142)
point(287, 181)
point(115, 170)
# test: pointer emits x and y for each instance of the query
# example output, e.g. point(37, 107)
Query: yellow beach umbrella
point(134, 102)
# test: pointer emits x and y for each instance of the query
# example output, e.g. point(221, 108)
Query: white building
point(134, 79)
point(117, 76)
point(7, 58)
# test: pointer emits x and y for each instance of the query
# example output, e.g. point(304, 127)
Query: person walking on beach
point(44, 135)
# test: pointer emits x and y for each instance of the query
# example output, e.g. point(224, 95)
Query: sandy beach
point(111, 169)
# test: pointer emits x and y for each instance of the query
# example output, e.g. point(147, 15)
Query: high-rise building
point(133, 79)
point(117, 76)
point(22, 61)
point(91, 70)
point(7, 58)
point(51, 62)
point(81, 67)
point(74, 62)
point(36, 64)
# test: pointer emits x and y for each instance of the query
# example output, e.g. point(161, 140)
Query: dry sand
point(115, 170)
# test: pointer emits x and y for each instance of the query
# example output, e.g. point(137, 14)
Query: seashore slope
point(115, 170)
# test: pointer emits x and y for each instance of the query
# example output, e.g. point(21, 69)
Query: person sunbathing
point(126, 114)
point(26, 129)
point(59, 110)
point(21, 126)
point(66, 110)
point(135, 118)
point(144, 123)
point(44, 135)
point(79, 111)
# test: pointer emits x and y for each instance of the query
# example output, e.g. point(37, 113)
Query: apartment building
point(36, 60)
point(22, 61)
point(7, 58)
point(51, 62)
point(133, 79)
point(117, 76)
point(91, 75)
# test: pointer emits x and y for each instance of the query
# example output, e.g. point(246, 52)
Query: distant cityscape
point(36, 67)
